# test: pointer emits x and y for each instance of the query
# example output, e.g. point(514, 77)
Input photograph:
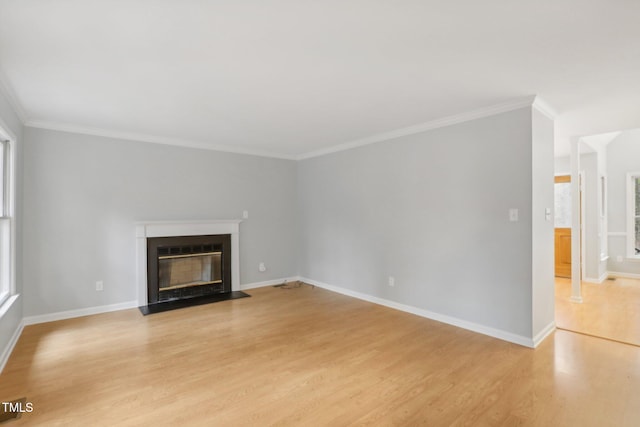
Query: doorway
point(604, 292)
point(562, 226)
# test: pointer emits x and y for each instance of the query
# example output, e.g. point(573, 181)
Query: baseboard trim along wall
point(61, 315)
point(624, 275)
point(540, 336)
point(464, 324)
point(268, 283)
point(604, 276)
point(10, 346)
point(598, 280)
point(593, 280)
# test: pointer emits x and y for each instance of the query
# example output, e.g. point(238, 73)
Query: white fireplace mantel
point(148, 229)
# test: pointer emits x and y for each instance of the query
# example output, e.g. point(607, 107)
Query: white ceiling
point(291, 77)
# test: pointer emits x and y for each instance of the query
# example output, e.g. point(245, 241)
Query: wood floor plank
point(308, 356)
point(610, 309)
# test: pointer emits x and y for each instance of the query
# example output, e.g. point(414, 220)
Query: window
point(633, 215)
point(6, 219)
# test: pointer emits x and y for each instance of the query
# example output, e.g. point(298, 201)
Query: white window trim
point(631, 253)
point(9, 215)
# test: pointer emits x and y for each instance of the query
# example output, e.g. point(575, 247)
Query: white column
point(576, 291)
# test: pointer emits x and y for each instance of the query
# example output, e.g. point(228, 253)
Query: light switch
point(547, 214)
point(513, 215)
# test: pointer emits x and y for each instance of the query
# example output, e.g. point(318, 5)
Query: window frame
point(7, 217)
point(632, 178)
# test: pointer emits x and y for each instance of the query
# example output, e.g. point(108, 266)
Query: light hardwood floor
point(310, 357)
point(610, 310)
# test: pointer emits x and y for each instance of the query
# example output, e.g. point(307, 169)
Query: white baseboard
point(623, 275)
point(604, 276)
point(597, 281)
point(268, 283)
point(6, 353)
point(540, 336)
point(61, 315)
point(464, 324)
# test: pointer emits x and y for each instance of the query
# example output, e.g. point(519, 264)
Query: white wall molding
point(540, 105)
point(9, 93)
point(70, 314)
point(604, 276)
point(624, 275)
point(6, 353)
point(464, 324)
point(617, 234)
point(268, 283)
point(533, 101)
point(540, 336)
point(598, 280)
point(154, 139)
point(434, 124)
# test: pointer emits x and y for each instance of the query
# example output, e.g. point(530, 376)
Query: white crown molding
point(528, 101)
point(155, 139)
point(6, 131)
point(434, 124)
point(7, 90)
point(540, 105)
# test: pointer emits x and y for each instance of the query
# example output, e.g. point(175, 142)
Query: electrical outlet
point(392, 281)
point(99, 285)
point(262, 267)
point(245, 214)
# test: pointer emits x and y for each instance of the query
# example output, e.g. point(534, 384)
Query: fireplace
point(188, 266)
point(178, 260)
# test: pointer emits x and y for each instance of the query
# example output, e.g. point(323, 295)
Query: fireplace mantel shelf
point(197, 221)
point(186, 228)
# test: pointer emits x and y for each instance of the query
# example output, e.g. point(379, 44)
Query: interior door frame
point(582, 194)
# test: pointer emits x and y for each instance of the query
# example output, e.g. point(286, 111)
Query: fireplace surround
point(187, 246)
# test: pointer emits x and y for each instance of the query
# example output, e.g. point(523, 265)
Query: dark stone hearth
point(189, 302)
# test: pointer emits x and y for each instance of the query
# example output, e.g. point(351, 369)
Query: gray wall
point(83, 195)
point(11, 319)
point(623, 156)
point(431, 210)
point(562, 165)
